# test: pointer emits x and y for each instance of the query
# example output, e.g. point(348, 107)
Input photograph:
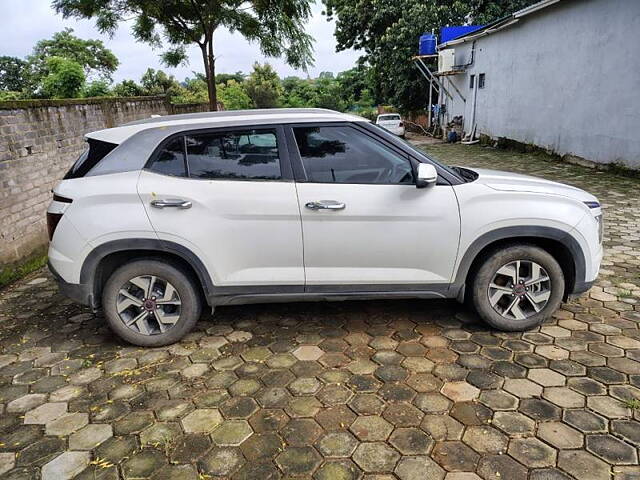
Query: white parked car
point(392, 122)
point(161, 217)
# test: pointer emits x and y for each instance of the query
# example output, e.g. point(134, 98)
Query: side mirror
point(427, 175)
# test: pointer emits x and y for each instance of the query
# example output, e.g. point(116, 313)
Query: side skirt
point(327, 293)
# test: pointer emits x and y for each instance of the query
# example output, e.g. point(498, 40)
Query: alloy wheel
point(148, 304)
point(519, 289)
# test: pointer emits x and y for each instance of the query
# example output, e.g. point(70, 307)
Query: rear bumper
point(78, 292)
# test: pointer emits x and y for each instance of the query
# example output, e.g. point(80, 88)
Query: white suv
point(392, 122)
point(162, 216)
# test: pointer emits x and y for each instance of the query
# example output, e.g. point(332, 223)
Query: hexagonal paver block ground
point(337, 444)
point(419, 468)
point(532, 453)
point(65, 466)
point(231, 433)
point(460, 391)
point(66, 424)
point(203, 420)
point(612, 450)
point(298, 460)
point(371, 428)
point(90, 437)
point(376, 457)
point(308, 352)
point(45, 413)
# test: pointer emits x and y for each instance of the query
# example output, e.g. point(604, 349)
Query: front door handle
point(172, 203)
point(325, 205)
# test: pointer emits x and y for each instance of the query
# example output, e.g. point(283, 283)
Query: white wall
point(566, 78)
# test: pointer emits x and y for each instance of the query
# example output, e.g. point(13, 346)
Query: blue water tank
point(449, 33)
point(428, 44)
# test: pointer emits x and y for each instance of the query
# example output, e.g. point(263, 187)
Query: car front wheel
point(150, 303)
point(518, 288)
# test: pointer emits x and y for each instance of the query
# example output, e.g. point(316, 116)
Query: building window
point(481, 80)
point(472, 80)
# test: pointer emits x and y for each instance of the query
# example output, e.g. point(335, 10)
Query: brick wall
point(39, 140)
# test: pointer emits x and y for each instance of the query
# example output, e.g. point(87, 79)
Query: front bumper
point(78, 292)
point(578, 289)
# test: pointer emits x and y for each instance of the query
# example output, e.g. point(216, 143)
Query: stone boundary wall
point(39, 141)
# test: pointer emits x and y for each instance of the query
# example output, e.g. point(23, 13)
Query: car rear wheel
point(518, 288)
point(150, 303)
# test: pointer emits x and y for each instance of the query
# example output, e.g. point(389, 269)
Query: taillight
point(53, 218)
point(52, 222)
point(401, 124)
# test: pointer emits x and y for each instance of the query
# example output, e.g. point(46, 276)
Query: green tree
point(14, 73)
point(97, 88)
point(278, 27)
point(92, 55)
point(233, 96)
point(264, 87)
point(157, 82)
point(65, 78)
point(128, 88)
point(329, 94)
point(237, 77)
point(356, 86)
point(299, 93)
point(388, 35)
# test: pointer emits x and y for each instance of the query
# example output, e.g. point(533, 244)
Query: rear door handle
point(171, 203)
point(326, 205)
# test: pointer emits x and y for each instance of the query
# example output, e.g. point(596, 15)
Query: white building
point(563, 75)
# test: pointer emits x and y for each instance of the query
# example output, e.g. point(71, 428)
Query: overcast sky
point(27, 21)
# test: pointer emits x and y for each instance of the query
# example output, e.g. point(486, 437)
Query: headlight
point(600, 223)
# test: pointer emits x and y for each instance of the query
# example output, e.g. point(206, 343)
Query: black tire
point(190, 308)
point(495, 261)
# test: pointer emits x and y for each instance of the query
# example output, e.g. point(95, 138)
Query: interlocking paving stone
point(560, 435)
point(532, 453)
point(65, 466)
point(612, 450)
point(298, 460)
point(501, 466)
point(203, 420)
point(337, 470)
point(582, 464)
point(417, 468)
point(371, 428)
point(272, 391)
point(66, 424)
point(376, 457)
point(411, 441)
point(45, 413)
point(485, 439)
point(338, 444)
point(262, 446)
point(90, 436)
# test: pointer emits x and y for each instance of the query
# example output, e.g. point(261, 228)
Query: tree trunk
point(210, 73)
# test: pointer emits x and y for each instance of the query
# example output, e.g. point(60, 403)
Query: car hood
point(515, 182)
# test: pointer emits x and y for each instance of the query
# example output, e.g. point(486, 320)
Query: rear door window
point(238, 155)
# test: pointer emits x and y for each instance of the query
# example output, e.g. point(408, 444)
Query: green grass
point(12, 273)
point(633, 404)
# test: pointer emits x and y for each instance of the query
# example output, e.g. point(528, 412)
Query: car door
point(365, 224)
point(229, 197)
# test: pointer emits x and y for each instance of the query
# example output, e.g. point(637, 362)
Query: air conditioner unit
point(446, 60)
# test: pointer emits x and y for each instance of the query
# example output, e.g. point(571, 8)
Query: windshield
point(388, 117)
